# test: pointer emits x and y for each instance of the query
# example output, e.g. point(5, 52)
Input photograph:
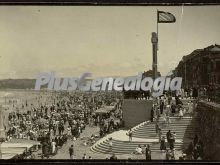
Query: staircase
point(184, 128)
point(144, 134)
point(126, 147)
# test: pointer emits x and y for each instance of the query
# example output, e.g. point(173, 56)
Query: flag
point(165, 17)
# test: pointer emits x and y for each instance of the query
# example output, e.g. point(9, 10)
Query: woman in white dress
point(69, 131)
point(181, 113)
point(53, 143)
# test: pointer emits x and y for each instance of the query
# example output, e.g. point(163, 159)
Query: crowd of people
point(63, 116)
point(145, 149)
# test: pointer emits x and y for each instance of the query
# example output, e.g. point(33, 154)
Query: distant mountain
point(17, 84)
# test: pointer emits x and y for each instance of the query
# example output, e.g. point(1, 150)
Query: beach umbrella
point(42, 121)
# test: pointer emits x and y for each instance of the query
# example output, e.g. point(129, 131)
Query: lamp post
point(154, 41)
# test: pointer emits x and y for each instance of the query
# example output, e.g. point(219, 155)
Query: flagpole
point(157, 29)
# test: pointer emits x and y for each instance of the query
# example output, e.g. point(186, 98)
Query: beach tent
point(20, 143)
point(8, 156)
point(13, 150)
point(33, 142)
point(105, 109)
point(16, 147)
point(77, 108)
point(42, 121)
point(110, 108)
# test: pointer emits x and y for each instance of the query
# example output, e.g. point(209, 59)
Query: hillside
point(17, 84)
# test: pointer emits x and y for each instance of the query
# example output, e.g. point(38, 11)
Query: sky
point(103, 40)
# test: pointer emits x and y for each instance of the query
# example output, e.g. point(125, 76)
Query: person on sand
point(71, 152)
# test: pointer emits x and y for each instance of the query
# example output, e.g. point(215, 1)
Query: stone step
point(118, 153)
point(185, 129)
point(181, 119)
point(178, 136)
point(156, 137)
point(132, 143)
point(106, 149)
point(130, 150)
point(125, 150)
point(171, 124)
point(166, 128)
point(164, 133)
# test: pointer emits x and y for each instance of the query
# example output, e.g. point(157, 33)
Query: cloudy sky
point(104, 40)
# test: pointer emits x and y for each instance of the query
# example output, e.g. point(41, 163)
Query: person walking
point(172, 140)
point(169, 99)
point(110, 144)
point(71, 152)
point(195, 140)
point(156, 127)
point(168, 136)
point(174, 136)
point(47, 151)
point(152, 114)
point(130, 135)
point(148, 152)
point(159, 134)
point(161, 107)
point(162, 144)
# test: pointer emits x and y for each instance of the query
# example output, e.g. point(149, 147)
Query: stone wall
point(136, 111)
point(209, 120)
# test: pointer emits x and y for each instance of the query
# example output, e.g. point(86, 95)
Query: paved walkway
point(121, 135)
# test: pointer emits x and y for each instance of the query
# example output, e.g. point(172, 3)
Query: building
point(140, 94)
point(201, 68)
